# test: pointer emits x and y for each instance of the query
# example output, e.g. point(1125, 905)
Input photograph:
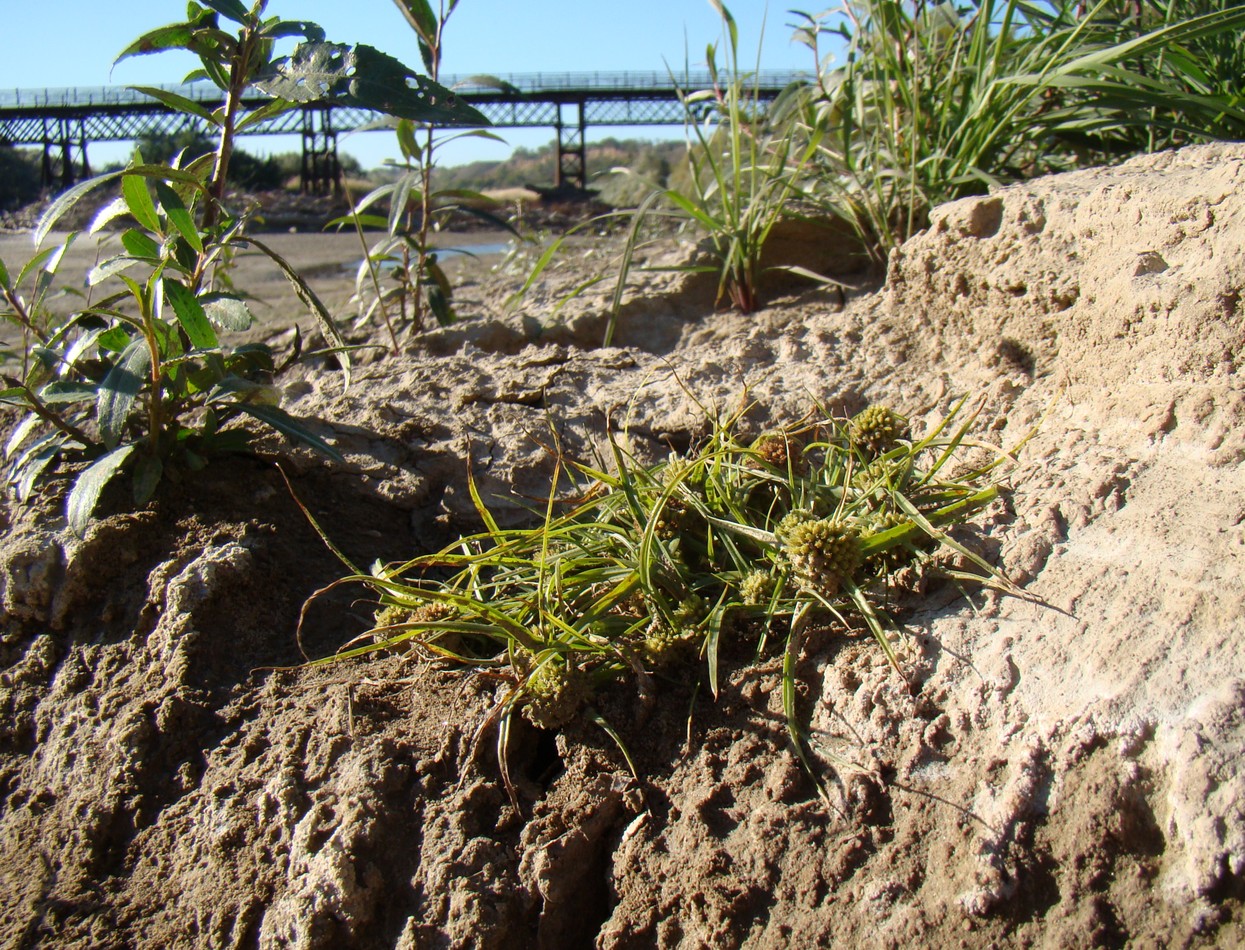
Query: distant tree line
point(19, 177)
point(21, 168)
point(649, 163)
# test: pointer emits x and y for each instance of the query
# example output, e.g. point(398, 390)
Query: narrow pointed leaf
point(173, 36)
point(419, 15)
point(179, 216)
point(283, 422)
point(233, 9)
point(140, 245)
point(58, 208)
point(265, 112)
point(89, 486)
point(180, 103)
point(119, 390)
point(107, 214)
point(191, 316)
point(138, 200)
point(313, 303)
point(108, 268)
point(147, 473)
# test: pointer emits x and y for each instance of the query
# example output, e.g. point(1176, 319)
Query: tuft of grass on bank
point(643, 573)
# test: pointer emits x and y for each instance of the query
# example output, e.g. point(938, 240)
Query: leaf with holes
point(365, 77)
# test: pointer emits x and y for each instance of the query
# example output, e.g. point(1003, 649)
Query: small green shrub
point(644, 569)
point(401, 270)
point(743, 170)
point(137, 378)
point(743, 175)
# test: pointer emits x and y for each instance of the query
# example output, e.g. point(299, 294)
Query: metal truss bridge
point(63, 122)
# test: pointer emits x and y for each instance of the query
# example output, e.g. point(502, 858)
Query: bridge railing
point(526, 83)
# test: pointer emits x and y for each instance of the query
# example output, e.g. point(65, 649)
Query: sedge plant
point(936, 101)
point(137, 379)
point(743, 175)
point(743, 170)
point(645, 572)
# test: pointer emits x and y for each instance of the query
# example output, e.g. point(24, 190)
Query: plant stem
point(47, 415)
point(22, 316)
point(239, 73)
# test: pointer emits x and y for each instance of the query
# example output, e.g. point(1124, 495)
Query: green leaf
point(304, 28)
point(406, 140)
point(114, 340)
point(245, 390)
point(64, 393)
point(34, 462)
point(265, 112)
point(138, 200)
point(227, 311)
point(729, 22)
point(313, 303)
point(89, 486)
point(419, 15)
point(367, 78)
point(25, 427)
point(109, 268)
point(174, 36)
point(107, 214)
point(175, 210)
point(199, 35)
point(283, 422)
point(140, 245)
point(179, 103)
point(119, 390)
point(147, 472)
point(35, 263)
point(233, 9)
point(191, 316)
point(58, 208)
point(403, 189)
point(4, 277)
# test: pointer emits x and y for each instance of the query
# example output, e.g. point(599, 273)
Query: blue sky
point(73, 43)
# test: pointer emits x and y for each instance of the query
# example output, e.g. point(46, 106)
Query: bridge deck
point(568, 102)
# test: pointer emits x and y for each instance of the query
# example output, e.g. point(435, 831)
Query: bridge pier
point(61, 138)
point(572, 166)
point(321, 170)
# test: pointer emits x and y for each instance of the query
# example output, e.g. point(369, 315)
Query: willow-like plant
point(138, 379)
point(400, 272)
point(645, 568)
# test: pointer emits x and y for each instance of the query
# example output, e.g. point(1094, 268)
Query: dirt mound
point(1060, 775)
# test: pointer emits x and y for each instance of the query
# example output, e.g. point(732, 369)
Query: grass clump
point(917, 103)
point(646, 571)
